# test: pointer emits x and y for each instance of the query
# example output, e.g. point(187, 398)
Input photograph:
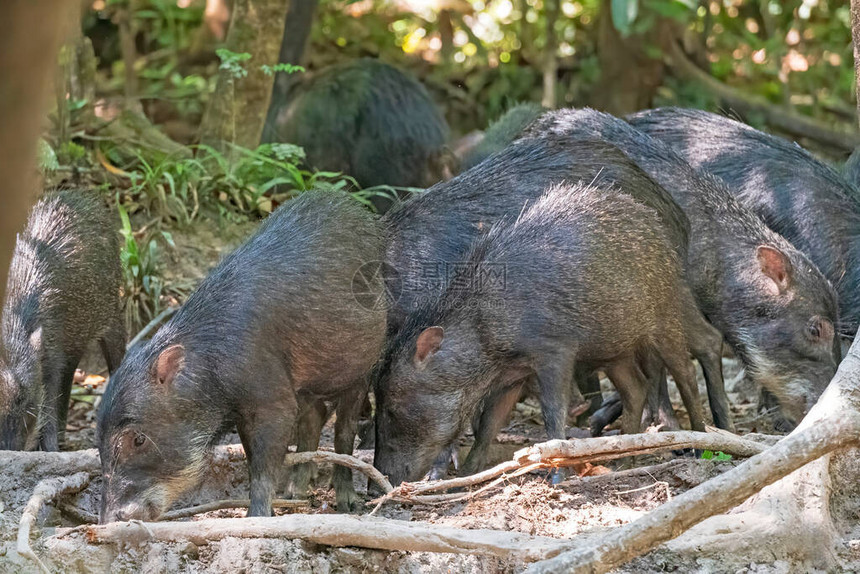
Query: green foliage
point(281, 67)
point(624, 13)
point(142, 284)
point(71, 153)
point(165, 187)
point(719, 455)
point(166, 25)
point(46, 158)
point(233, 63)
point(239, 181)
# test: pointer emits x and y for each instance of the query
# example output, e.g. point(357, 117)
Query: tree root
point(331, 530)
point(46, 491)
point(833, 423)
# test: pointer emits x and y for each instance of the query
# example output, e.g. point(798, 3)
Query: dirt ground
point(578, 507)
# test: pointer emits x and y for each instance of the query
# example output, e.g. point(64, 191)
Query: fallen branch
point(557, 453)
point(565, 452)
point(784, 119)
point(46, 491)
point(331, 530)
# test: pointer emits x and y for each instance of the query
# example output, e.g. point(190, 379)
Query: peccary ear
point(428, 343)
point(168, 364)
point(776, 266)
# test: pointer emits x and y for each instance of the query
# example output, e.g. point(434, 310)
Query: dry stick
point(564, 452)
point(222, 504)
point(569, 452)
point(45, 491)
point(343, 460)
point(610, 447)
point(713, 497)
point(453, 497)
point(236, 452)
point(332, 530)
point(79, 515)
point(84, 517)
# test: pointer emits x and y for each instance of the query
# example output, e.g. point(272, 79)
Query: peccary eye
point(820, 329)
point(139, 440)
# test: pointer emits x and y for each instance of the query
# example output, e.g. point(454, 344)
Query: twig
point(343, 460)
point(556, 453)
point(222, 504)
point(151, 325)
point(565, 452)
point(646, 487)
point(45, 491)
point(79, 515)
point(84, 517)
point(409, 498)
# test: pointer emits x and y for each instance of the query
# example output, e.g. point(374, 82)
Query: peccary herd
point(570, 243)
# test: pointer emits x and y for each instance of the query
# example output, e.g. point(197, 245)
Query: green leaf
point(168, 237)
point(47, 159)
point(707, 455)
point(272, 183)
point(624, 14)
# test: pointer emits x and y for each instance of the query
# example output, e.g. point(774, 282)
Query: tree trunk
point(630, 69)
point(125, 22)
point(75, 81)
point(30, 36)
point(550, 64)
point(237, 109)
point(297, 32)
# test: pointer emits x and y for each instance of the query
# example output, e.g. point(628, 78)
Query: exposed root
point(804, 497)
point(46, 491)
point(332, 530)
